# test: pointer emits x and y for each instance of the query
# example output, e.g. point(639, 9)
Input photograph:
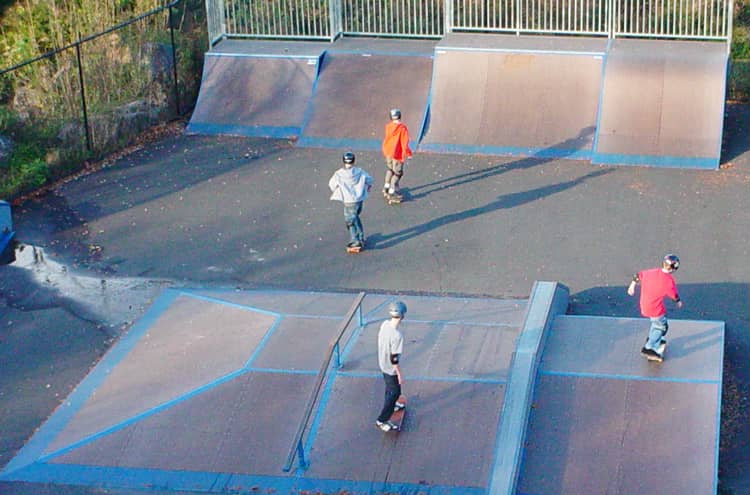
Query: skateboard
point(397, 418)
point(393, 199)
point(660, 350)
point(353, 249)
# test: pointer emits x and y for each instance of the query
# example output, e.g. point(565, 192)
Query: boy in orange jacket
point(395, 149)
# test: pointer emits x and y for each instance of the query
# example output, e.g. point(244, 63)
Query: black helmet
point(672, 262)
point(395, 114)
point(348, 157)
point(397, 309)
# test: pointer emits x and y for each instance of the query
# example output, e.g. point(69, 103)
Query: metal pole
point(730, 22)
point(174, 63)
point(83, 95)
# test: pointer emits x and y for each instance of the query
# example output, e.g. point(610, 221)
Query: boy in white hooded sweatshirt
point(350, 185)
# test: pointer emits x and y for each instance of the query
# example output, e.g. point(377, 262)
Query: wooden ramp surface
point(606, 420)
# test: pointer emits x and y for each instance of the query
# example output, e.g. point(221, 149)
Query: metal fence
point(97, 94)
point(327, 19)
point(700, 19)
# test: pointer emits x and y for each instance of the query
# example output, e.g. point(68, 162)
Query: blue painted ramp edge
point(212, 482)
point(711, 163)
point(472, 149)
point(338, 143)
point(243, 130)
point(547, 300)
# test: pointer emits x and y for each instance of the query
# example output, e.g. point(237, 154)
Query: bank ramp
point(515, 95)
point(360, 81)
point(256, 88)
point(662, 104)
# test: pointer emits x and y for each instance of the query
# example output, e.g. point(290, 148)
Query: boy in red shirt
point(656, 284)
point(395, 149)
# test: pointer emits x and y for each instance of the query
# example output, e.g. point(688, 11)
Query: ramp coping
point(547, 300)
point(541, 51)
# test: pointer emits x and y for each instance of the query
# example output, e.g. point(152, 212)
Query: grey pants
point(393, 172)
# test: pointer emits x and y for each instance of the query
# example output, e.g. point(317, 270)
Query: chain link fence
point(96, 95)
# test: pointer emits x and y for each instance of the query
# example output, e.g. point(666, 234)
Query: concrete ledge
point(547, 300)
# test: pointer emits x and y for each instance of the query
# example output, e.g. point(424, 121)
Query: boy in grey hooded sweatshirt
point(350, 185)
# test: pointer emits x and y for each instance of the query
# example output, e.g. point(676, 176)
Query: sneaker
point(651, 354)
point(353, 244)
point(399, 406)
point(386, 426)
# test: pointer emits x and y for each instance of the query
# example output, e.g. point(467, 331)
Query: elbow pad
point(394, 358)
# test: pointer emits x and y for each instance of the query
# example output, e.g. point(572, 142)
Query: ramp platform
point(662, 104)
point(515, 95)
point(256, 88)
point(606, 420)
point(206, 393)
point(360, 81)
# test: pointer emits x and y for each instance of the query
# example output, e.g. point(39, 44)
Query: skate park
point(538, 417)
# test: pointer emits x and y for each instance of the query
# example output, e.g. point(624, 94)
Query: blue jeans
point(657, 331)
point(353, 223)
point(392, 392)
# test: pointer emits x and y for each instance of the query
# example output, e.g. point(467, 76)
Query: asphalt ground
point(237, 212)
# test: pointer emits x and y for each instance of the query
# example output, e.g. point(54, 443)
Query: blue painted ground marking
point(313, 88)
point(282, 371)
point(570, 154)
point(230, 304)
point(263, 341)
point(491, 381)
point(313, 430)
point(615, 376)
point(601, 95)
point(466, 323)
point(140, 416)
point(216, 482)
point(709, 163)
point(280, 132)
point(342, 143)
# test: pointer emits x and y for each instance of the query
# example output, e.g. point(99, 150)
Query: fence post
point(174, 63)
point(335, 21)
point(448, 14)
point(83, 94)
point(730, 24)
point(518, 17)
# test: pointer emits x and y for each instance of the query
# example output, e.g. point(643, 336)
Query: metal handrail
point(298, 448)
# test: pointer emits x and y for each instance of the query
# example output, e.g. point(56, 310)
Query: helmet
point(348, 157)
point(672, 261)
point(397, 309)
point(395, 114)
